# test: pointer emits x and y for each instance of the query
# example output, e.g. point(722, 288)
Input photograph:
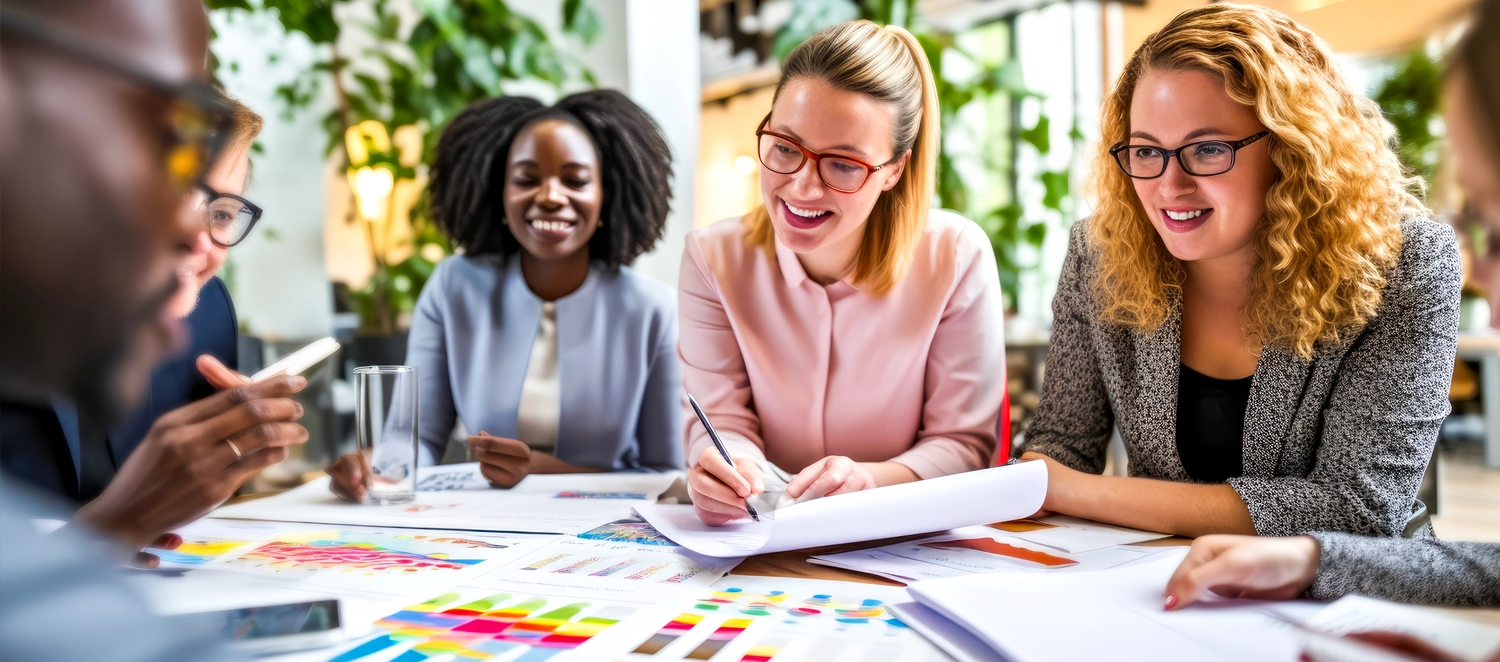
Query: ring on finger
point(237, 454)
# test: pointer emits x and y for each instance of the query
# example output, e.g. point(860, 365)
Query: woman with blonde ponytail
point(843, 331)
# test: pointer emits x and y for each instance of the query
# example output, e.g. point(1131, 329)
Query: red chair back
point(1002, 438)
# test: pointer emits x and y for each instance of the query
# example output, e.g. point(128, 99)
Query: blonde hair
point(1331, 230)
point(888, 64)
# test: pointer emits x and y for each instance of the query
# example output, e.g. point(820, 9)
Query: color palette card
point(758, 619)
point(496, 622)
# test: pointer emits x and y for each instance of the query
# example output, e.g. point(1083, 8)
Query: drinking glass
point(385, 422)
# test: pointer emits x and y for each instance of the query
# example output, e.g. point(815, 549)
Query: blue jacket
point(40, 445)
point(471, 338)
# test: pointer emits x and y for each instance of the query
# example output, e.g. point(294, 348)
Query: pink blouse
point(792, 371)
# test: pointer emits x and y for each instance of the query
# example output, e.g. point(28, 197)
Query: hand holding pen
point(721, 486)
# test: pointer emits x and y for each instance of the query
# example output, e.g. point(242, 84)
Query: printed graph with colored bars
point(402, 554)
point(513, 627)
point(817, 624)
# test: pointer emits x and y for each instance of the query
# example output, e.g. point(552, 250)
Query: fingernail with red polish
point(1171, 601)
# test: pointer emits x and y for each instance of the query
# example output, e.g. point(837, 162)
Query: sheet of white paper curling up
point(937, 504)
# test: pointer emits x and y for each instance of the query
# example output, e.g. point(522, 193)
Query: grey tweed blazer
point(1336, 443)
point(1423, 571)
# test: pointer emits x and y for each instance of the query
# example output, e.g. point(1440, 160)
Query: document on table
point(1074, 535)
point(557, 503)
point(975, 497)
point(1463, 639)
point(1036, 616)
point(985, 549)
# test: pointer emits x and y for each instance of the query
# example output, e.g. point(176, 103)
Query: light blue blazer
point(471, 338)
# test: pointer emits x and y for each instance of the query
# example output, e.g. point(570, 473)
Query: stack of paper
point(1119, 613)
point(976, 497)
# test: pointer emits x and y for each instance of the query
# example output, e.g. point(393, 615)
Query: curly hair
point(1331, 230)
point(468, 173)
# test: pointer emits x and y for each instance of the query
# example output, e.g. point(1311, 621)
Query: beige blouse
point(541, 396)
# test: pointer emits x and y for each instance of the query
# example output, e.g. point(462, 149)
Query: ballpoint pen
point(712, 434)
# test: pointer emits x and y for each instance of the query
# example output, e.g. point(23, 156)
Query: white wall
point(278, 283)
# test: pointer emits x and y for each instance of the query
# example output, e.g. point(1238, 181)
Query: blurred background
point(344, 247)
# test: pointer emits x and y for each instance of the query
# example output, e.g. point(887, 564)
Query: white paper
point(883, 564)
point(558, 503)
point(954, 640)
point(1464, 639)
point(975, 497)
point(1071, 534)
point(1036, 616)
point(356, 561)
point(613, 570)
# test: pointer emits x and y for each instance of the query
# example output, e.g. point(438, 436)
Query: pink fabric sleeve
point(965, 372)
point(713, 370)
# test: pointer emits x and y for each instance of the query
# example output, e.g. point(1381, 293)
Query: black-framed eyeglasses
point(783, 155)
point(199, 121)
point(229, 216)
point(1200, 159)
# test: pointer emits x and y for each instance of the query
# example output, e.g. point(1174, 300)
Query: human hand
point(184, 467)
point(146, 560)
point(719, 491)
point(349, 475)
point(1057, 480)
point(831, 475)
point(218, 374)
point(1244, 567)
point(504, 462)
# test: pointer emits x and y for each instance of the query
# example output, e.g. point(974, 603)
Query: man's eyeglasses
point(783, 155)
point(229, 216)
point(1200, 159)
point(199, 122)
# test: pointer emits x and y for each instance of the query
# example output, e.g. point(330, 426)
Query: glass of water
point(385, 422)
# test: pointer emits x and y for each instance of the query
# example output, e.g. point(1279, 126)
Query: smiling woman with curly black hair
point(538, 337)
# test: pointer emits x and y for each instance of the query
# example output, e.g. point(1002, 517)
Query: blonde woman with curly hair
point(842, 331)
point(1258, 304)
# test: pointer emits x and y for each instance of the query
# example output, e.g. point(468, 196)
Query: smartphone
point(299, 361)
point(275, 628)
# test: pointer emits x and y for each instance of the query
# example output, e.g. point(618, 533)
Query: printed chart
point(621, 566)
point(757, 619)
point(633, 530)
point(473, 624)
point(392, 562)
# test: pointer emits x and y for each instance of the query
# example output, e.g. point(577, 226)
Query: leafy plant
point(420, 75)
point(1410, 99)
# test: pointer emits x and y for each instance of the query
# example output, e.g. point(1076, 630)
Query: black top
point(38, 442)
point(1211, 425)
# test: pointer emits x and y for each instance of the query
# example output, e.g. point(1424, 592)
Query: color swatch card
point(557, 504)
point(507, 624)
point(975, 497)
point(616, 570)
point(350, 560)
point(758, 619)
